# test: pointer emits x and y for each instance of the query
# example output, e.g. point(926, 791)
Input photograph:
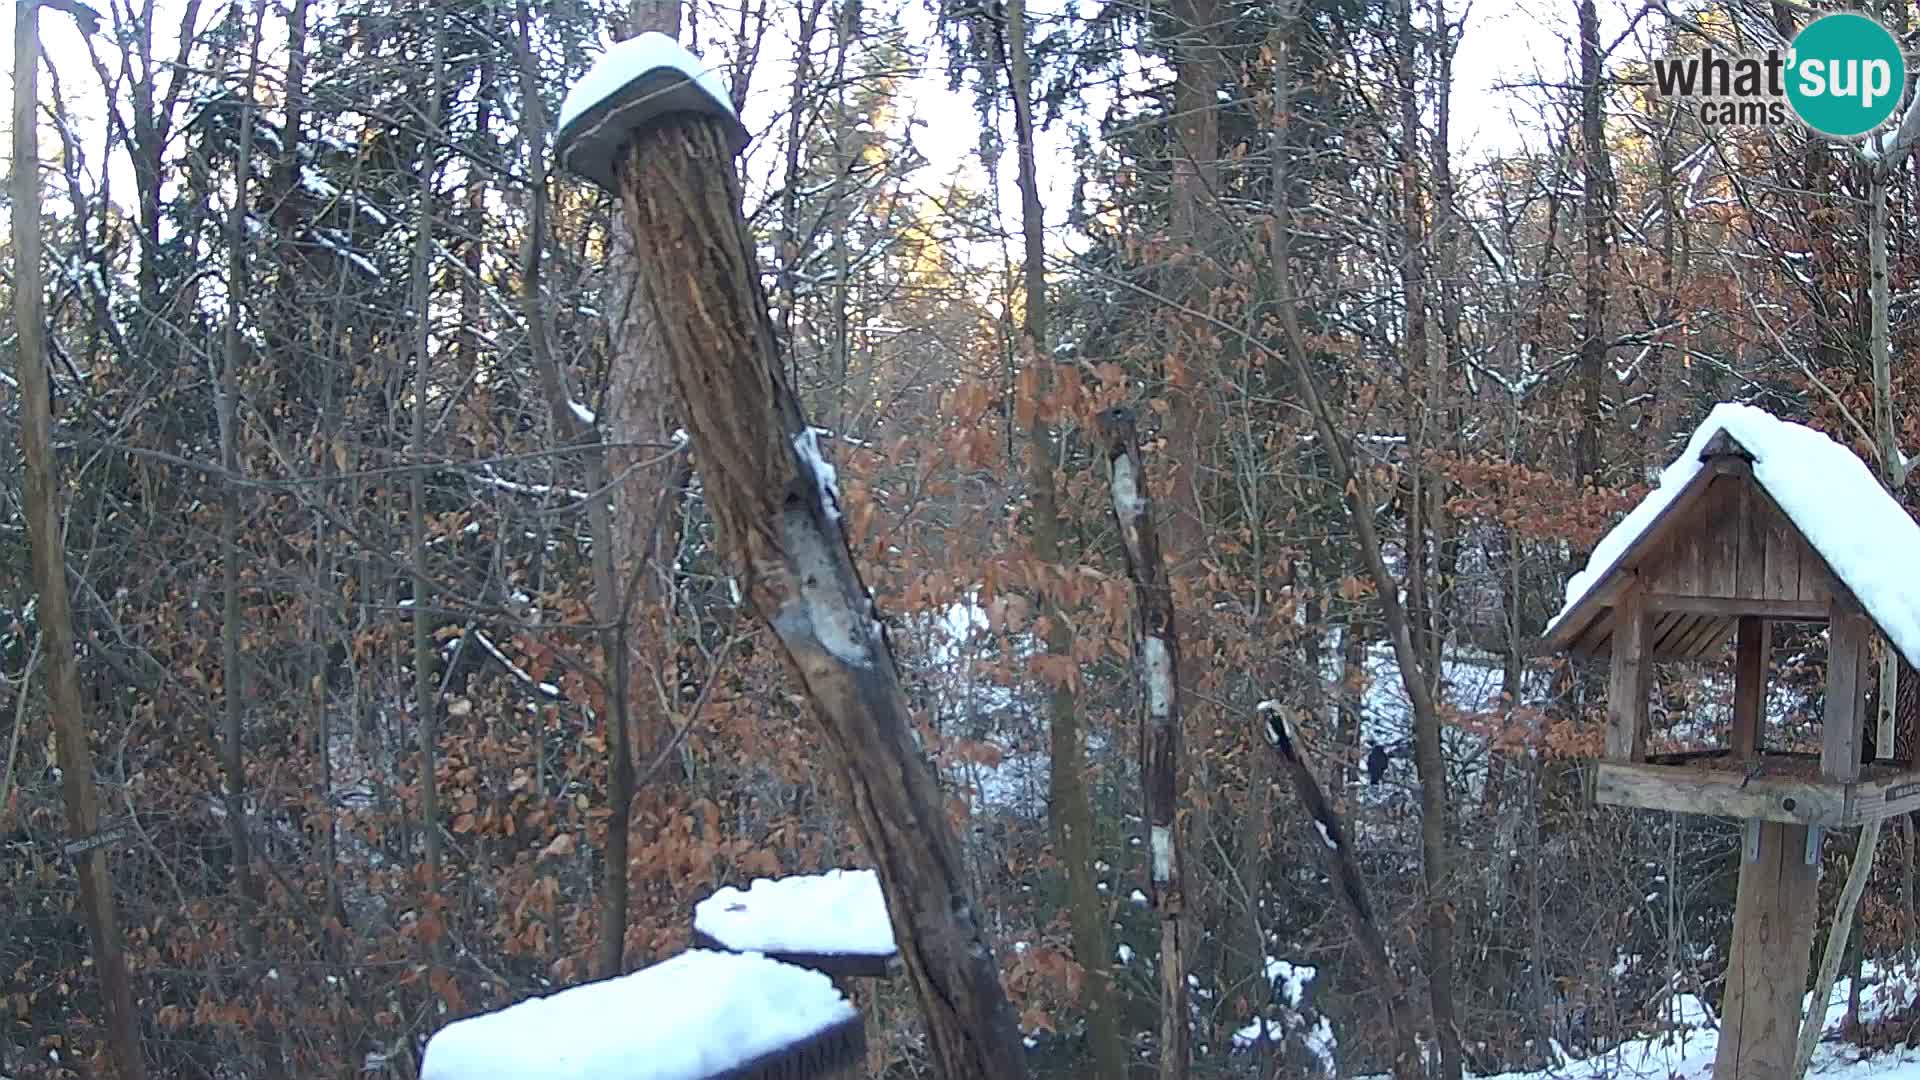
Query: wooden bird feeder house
point(1760, 521)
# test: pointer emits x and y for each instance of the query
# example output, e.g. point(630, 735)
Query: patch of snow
point(1325, 836)
point(1161, 844)
point(807, 445)
point(700, 1013)
point(630, 59)
point(580, 412)
point(840, 912)
point(1829, 494)
point(1124, 954)
point(1159, 665)
point(1291, 978)
point(1127, 502)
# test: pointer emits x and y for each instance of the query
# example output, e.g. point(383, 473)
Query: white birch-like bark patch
point(1126, 489)
point(1159, 664)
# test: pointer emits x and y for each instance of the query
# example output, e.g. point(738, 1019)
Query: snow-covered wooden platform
point(701, 1015)
point(834, 922)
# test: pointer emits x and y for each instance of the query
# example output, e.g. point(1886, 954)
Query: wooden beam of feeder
point(1843, 723)
point(776, 511)
point(1749, 685)
point(1632, 671)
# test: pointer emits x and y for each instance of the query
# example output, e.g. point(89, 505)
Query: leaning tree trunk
point(1157, 652)
point(1343, 871)
point(778, 515)
point(66, 710)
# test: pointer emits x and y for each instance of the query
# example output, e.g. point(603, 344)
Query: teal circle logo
point(1845, 75)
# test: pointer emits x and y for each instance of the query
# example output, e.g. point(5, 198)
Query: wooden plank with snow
point(701, 1015)
point(834, 923)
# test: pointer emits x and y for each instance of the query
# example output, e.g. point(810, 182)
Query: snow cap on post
point(633, 84)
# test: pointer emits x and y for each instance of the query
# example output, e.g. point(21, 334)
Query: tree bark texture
point(1157, 656)
point(777, 514)
point(66, 709)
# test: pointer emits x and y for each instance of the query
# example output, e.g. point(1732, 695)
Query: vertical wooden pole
point(1749, 685)
point(1844, 723)
point(1632, 674)
point(1767, 964)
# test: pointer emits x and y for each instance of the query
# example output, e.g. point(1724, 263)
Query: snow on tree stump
point(834, 923)
point(1758, 521)
point(702, 1015)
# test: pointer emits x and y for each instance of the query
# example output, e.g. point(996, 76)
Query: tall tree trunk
point(1199, 71)
point(425, 726)
point(1157, 656)
point(776, 512)
point(647, 521)
point(233, 678)
point(66, 709)
point(609, 956)
point(1357, 486)
point(1595, 184)
point(1069, 804)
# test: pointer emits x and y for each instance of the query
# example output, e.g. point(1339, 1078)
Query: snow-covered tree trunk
point(777, 511)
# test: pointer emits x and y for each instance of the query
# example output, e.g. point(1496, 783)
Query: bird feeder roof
point(635, 83)
point(1830, 501)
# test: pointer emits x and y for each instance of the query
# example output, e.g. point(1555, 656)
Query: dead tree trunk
point(1157, 652)
point(66, 710)
point(1349, 888)
point(777, 511)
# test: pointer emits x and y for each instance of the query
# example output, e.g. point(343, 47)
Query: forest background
point(414, 685)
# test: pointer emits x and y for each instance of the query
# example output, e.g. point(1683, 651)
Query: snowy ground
point(1687, 1054)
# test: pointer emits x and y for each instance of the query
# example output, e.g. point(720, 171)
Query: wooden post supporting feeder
point(1760, 521)
point(650, 123)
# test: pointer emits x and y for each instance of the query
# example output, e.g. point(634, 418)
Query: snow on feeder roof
point(835, 922)
point(631, 85)
point(1861, 535)
point(701, 1015)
